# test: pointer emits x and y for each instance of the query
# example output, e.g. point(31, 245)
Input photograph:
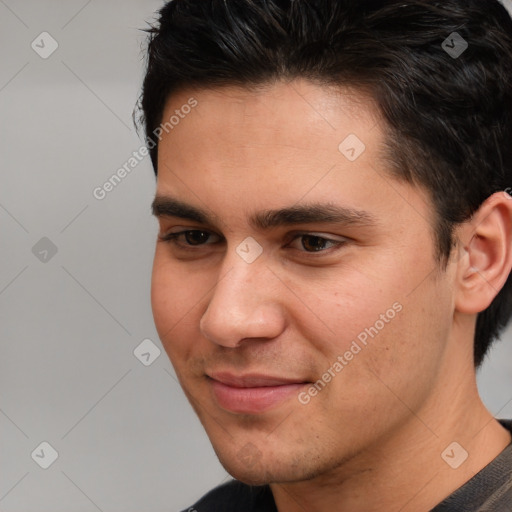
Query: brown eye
point(311, 243)
point(196, 237)
point(191, 237)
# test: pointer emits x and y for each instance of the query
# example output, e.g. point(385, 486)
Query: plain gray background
point(70, 320)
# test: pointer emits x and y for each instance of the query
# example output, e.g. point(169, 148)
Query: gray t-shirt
point(490, 490)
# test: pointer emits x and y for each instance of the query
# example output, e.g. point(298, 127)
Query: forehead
point(275, 146)
point(288, 110)
point(297, 128)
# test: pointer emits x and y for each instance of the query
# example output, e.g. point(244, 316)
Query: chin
point(250, 466)
point(245, 464)
point(250, 477)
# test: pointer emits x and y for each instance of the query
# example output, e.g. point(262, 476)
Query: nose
point(245, 303)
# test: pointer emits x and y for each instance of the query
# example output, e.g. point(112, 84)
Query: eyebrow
point(167, 206)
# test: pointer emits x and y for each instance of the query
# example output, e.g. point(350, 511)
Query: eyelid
point(319, 234)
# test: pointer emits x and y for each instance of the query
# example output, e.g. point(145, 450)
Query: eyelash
point(172, 238)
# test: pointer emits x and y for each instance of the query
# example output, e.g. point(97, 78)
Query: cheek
point(336, 311)
point(401, 359)
point(174, 303)
point(162, 304)
point(391, 322)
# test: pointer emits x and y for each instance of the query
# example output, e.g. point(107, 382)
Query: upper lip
point(252, 380)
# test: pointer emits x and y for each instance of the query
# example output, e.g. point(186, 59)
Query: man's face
point(253, 315)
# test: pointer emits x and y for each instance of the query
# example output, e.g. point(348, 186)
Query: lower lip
point(252, 400)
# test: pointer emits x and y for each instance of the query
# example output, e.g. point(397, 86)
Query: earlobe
point(486, 260)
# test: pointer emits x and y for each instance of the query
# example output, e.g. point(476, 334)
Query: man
point(335, 245)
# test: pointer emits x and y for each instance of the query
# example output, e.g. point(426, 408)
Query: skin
point(372, 438)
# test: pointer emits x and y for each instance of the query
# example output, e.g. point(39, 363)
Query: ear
point(485, 257)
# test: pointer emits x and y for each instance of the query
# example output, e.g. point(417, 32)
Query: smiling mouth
point(252, 393)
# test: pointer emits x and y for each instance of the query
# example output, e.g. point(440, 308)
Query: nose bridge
point(242, 304)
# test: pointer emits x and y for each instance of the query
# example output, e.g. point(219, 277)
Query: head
point(267, 96)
